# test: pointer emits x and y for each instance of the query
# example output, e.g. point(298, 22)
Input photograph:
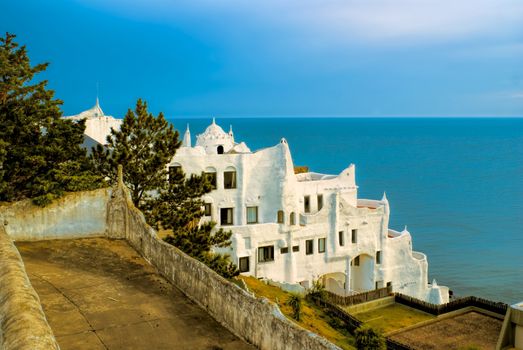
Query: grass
point(313, 317)
point(392, 317)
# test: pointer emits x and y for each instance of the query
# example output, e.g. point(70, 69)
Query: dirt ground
point(100, 294)
point(468, 329)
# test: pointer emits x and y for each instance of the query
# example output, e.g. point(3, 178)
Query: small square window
point(211, 177)
point(307, 204)
point(321, 245)
point(226, 216)
point(309, 246)
point(284, 250)
point(266, 254)
point(229, 179)
point(207, 209)
point(296, 248)
point(173, 172)
point(252, 215)
point(320, 202)
point(244, 264)
point(354, 235)
point(280, 217)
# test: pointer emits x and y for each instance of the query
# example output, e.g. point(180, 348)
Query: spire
point(230, 129)
point(213, 121)
point(384, 198)
point(187, 137)
point(405, 229)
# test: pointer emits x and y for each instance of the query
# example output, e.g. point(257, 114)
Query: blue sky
point(279, 58)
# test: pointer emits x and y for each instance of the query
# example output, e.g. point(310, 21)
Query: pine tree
point(178, 208)
point(144, 145)
point(41, 155)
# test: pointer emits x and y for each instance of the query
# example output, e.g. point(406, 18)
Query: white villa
point(295, 228)
point(97, 125)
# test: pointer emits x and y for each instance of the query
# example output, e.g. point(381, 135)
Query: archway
point(220, 149)
point(362, 273)
point(334, 282)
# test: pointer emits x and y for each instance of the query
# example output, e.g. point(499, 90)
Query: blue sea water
point(456, 182)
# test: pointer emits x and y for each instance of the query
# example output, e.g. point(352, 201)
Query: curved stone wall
point(22, 321)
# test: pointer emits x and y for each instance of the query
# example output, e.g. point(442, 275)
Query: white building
point(97, 125)
point(296, 228)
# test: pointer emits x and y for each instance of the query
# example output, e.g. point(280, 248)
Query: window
point(341, 239)
point(284, 250)
point(307, 204)
point(321, 245)
point(244, 264)
point(354, 236)
point(211, 177)
point(293, 218)
point(219, 150)
point(296, 248)
point(252, 215)
point(378, 257)
point(207, 209)
point(389, 284)
point(226, 216)
point(173, 171)
point(280, 217)
point(320, 202)
point(229, 179)
point(266, 254)
point(357, 261)
point(309, 246)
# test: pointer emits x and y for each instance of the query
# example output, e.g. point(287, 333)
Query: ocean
point(457, 183)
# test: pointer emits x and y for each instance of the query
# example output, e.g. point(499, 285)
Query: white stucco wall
point(266, 179)
point(79, 214)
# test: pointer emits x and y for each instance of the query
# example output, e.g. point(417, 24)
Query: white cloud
point(368, 20)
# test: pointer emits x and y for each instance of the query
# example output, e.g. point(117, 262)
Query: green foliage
point(317, 290)
point(295, 302)
point(144, 145)
point(179, 208)
point(40, 153)
point(369, 339)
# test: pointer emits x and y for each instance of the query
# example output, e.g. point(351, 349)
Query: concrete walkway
point(100, 294)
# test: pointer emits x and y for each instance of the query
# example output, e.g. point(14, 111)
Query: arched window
point(174, 170)
point(229, 177)
point(210, 174)
point(293, 219)
point(280, 217)
point(220, 149)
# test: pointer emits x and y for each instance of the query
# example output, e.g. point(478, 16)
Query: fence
point(395, 345)
point(351, 321)
point(496, 307)
point(360, 297)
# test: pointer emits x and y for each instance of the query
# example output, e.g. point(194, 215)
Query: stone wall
point(22, 321)
point(111, 212)
point(75, 215)
point(255, 320)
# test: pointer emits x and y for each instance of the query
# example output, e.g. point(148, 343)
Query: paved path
point(100, 294)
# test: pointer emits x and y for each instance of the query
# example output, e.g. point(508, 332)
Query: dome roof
point(213, 132)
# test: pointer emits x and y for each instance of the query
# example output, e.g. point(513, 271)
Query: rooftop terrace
point(101, 294)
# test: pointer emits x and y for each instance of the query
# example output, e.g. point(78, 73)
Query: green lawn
point(393, 317)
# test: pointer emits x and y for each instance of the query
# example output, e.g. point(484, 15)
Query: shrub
point(369, 339)
point(294, 302)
